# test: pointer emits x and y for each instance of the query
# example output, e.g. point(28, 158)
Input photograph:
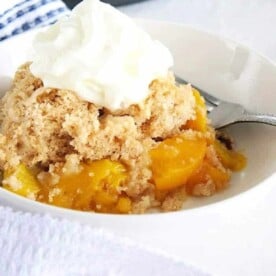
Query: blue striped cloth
point(29, 14)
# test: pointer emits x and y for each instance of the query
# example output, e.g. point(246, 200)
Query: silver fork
point(223, 113)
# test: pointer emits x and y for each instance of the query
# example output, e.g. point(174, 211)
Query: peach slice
point(174, 160)
point(21, 181)
point(200, 122)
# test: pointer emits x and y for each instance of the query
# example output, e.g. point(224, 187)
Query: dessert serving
point(96, 122)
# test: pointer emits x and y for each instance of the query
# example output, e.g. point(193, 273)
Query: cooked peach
point(21, 181)
point(207, 172)
point(123, 205)
point(174, 160)
point(96, 187)
point(230, 159)
point(200, 122)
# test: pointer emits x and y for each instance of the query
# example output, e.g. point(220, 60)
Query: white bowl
point(200, 235)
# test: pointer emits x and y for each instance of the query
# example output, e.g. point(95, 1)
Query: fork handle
point(258, 118)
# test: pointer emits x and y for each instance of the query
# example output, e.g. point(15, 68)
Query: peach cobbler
point(61, 150)
point(96, 122)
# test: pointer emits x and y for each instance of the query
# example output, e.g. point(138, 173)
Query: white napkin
point(20, 16)
point(41, 245)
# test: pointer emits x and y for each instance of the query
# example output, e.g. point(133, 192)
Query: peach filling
point(102, 185)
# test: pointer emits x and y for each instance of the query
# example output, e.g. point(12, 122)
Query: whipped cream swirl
point(100, 54)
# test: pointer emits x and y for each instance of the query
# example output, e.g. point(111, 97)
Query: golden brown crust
point(46, 127)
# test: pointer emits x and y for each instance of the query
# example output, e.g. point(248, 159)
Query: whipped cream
point(100, 54)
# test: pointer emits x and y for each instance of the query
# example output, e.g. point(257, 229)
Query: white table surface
point(251, 22)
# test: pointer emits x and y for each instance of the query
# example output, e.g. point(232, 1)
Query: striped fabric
point(29, 14)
